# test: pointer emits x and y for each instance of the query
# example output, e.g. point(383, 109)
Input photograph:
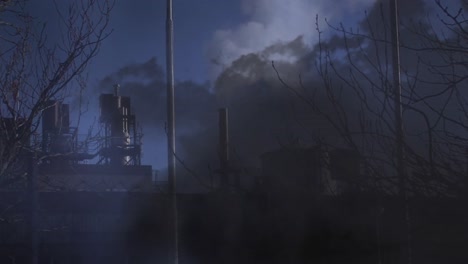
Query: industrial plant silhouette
point(90, 200)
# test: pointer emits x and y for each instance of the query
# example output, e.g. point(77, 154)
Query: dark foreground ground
point(90, 227)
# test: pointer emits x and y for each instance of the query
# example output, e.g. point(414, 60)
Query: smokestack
point(224, 146)
point(223, 137)
point(116, 89)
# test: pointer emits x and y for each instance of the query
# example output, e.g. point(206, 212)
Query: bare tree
point(35, 69)
point(355, 69)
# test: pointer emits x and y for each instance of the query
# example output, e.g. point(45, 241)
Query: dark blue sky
point(139, 31)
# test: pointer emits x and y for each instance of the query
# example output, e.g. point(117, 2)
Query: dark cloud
point(265, 114)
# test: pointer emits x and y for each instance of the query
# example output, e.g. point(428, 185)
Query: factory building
point(90, 200)
point(311, 171)
point(70, 194)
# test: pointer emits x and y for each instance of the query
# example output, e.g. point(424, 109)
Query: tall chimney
point(224, 146)
point(116, 89)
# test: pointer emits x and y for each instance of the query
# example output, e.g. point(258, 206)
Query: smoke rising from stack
point(263, 113)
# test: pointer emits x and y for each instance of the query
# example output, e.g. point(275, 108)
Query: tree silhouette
point(356, 78)
point(38, 67)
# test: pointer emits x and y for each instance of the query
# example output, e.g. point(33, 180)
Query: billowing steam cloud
point(263, 114)
point(277, 21)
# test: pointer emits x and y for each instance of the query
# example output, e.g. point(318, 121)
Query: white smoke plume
point(278, 21)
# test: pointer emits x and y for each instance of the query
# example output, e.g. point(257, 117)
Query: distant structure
point(310, 171)
point(59, 140)
point(229, 177)
point(12, 129)
point(91, 201)
point(345, 170)
point(119, 143)
point(294, 170)
point(15, 140)
point(122, 144)
point(67, 157)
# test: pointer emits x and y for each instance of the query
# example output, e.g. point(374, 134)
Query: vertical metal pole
point(171, 161)
point(399, 130)
point(397, 92)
